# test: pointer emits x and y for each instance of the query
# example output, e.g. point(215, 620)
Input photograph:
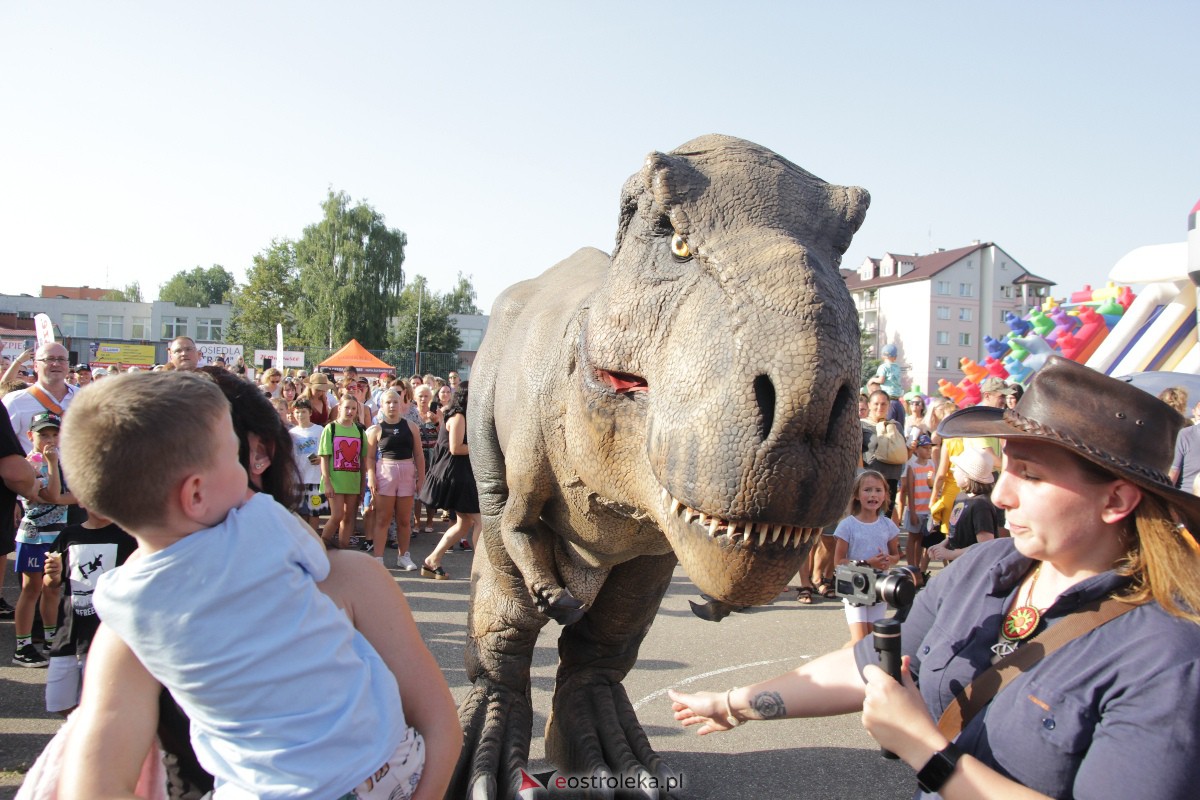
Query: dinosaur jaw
point(739, 562)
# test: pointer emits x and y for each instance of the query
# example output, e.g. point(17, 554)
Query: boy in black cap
point(44, 519)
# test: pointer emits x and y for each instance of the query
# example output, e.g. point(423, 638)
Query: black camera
point(863, 585)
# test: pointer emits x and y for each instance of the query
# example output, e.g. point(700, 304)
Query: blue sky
point(144, 138)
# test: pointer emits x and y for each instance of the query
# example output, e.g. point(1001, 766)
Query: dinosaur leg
point(593, 729)
point(496, 716)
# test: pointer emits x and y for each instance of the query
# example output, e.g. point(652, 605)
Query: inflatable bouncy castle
point(1110, 329)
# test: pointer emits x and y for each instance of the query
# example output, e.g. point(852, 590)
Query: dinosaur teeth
point(796, 541)
point(712, 527)
point(675, 506)
point(762, 537)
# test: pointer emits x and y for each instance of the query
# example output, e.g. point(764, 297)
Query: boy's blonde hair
point(129, 440)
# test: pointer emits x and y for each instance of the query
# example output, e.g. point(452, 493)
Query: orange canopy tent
point(355, 355)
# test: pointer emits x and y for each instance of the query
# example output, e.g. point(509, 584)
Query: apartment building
point(85, 326)
point(936, 308)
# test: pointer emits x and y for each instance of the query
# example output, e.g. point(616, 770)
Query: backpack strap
point(975, 697)
point(46, 400)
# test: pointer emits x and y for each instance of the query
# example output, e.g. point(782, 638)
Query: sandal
point(437, 573)
point(825, 589)
point(804, 595)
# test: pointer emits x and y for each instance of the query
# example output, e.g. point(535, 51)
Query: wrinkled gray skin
point(695, 398)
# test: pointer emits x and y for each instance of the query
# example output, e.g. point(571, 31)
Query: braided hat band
point(1031, 426)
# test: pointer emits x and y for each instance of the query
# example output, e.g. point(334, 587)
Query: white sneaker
point(405, 563)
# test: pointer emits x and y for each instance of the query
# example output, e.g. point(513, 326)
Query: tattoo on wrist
point(768, 705)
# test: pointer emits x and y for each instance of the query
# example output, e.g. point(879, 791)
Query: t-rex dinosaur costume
point(691, 398)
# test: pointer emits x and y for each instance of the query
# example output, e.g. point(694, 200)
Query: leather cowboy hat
point(1108, 422)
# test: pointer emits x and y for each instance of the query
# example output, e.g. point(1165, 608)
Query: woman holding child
point(1101, 544)
point(115, 726)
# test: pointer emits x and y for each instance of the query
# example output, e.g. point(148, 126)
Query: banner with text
point(128, 354)
point(291, 358)
point(211, 351)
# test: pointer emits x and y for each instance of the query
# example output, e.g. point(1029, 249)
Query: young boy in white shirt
point(305, 438)
point(221, 604)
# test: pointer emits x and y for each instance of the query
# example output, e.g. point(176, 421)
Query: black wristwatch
point(938, 769)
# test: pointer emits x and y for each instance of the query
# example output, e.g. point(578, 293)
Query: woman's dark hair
point(458, 403)
point(1017, 391)
point(253, 413)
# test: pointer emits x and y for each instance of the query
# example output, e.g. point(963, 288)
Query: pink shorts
point(396, 478)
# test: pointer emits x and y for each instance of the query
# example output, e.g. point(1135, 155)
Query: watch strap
point(938, 769)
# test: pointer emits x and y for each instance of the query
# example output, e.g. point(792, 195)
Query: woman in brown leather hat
point(1101, 544)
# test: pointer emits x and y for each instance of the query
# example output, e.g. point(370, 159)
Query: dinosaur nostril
point(764, 395)
point(845, 407)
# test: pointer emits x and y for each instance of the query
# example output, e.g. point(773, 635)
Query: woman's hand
point(896, 716)
point(707, 709)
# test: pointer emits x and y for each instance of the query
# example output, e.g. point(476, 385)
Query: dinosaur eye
point(679, 247)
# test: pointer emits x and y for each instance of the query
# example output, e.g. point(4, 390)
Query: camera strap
point(975, 697)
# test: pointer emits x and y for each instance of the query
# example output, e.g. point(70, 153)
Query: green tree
point(461, 299)
point(439, 334)
point(132, 293)
point(270, 297)
point(199, 287)
point(351, 275)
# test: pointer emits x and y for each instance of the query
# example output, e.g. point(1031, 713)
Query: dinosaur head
point(720, 361)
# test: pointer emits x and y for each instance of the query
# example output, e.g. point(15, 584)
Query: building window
point(965, 314)
point(966, 290)
point(208, 329)
point(943, 312)
point(74, 324)
point(1006, 292)
point(1003, 265)
point(943, 287)
point(173, 327)
point(964, 339)
point(110, 327)
point(140, 328)
point(943, 337)
point(940, 362)
point(471, 338)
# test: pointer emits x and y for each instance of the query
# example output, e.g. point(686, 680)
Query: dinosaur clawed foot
point(497, 723)
point(594, 732)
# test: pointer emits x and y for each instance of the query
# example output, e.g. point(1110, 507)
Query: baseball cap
point(995, 385)
point(46, 419)
point(923, 440)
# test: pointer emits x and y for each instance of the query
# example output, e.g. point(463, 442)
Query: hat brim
point(980, 421)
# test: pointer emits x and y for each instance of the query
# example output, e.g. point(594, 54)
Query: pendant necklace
point(1022, 621)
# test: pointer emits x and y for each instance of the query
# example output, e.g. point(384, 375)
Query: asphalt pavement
point(823, 759)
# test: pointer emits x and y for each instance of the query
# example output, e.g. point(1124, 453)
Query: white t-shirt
point(22, 407)
point(286, 698)
point(866, 540)
point(304, 442)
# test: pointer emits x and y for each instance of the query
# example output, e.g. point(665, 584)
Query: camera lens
point(897, 588)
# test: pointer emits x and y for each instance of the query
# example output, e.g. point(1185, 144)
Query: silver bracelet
point(730, 718)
